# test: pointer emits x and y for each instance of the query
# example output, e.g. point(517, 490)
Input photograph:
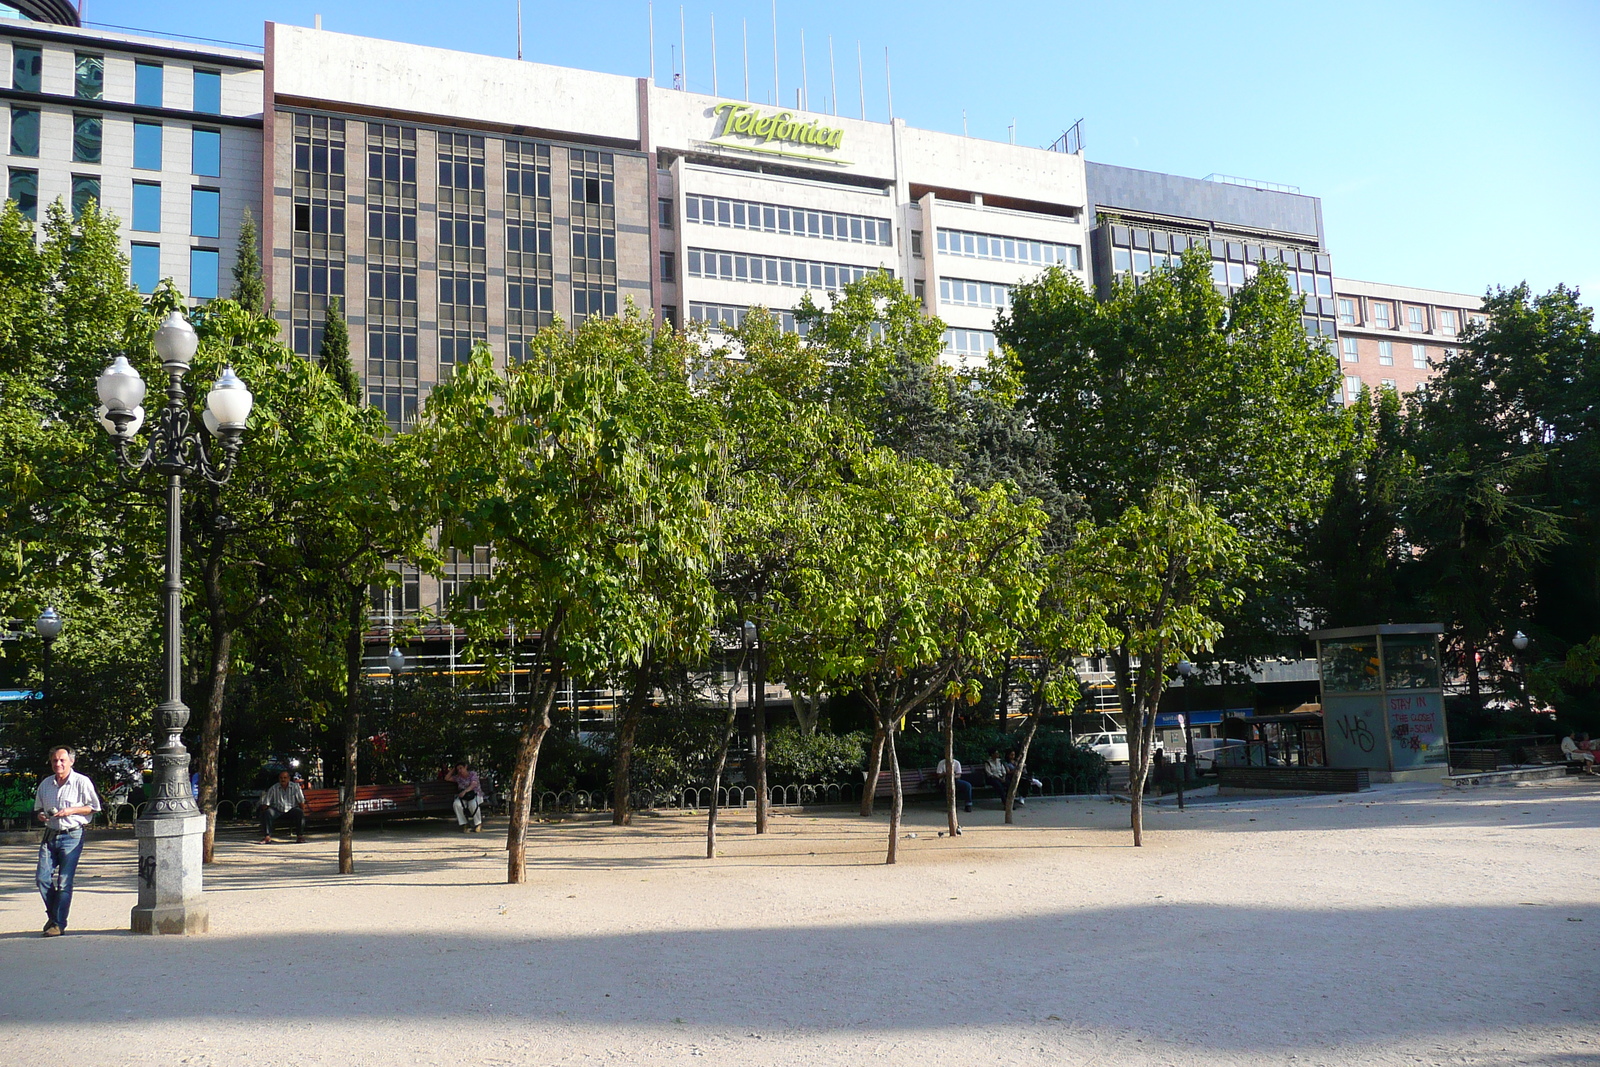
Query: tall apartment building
point(165, 135)
point(1395, 336)
point(1141, 218)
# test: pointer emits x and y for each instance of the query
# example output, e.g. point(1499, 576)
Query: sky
point(1455, 144)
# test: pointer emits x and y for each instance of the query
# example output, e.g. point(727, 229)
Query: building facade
point(166, 136)
point(1395, 336)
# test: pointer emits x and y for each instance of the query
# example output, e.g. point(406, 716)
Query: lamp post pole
point(171, 829)
point(47, 626)
point(1186, 669)
point(1520, 643)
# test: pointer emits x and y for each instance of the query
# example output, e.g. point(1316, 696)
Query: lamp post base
point(170, 900)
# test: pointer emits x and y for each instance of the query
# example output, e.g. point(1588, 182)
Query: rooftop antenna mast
point(888, 81)
point(805, 78)
point(651, 8)
point(833, 77)
point(776, 93)
point(714, 91)
point(861, 82)
point(683, 48)
point(519, 29)
point(744, 26)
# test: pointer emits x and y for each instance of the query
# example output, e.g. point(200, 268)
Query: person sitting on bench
point(468, 800)
point(285, 800)
point(1575, 749)
point(997, 774)
point(963, 787)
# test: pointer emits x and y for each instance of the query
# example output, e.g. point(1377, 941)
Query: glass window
point(89, 80)
point(1235, 273)
point(147, 145)
point(208, 153)
point(1447, 322)
point(1380, 313)
point(1350, 665)
point(205, 214)
point(1386, 383)
point(1352, 388)
point(669, 267)
point(24, 131)
point(1386, 353)
point(1414, 319)
point(86, 131)
point(208, 91)
point(1347, 311)
point(1121, 259)
point(147, 84)
point(1349, 346)
point(1419, 357)
point(664, 212)
point(1411, 661)
point(24, 189)
point(26, 65)
point(145, 267)
point(147, 206)
point(203, 273)
point(916, 243)
point(85, 187)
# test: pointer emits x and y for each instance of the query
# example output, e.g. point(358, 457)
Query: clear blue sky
point(1454, 145)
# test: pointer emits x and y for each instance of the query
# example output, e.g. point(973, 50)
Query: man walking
point(64, 803)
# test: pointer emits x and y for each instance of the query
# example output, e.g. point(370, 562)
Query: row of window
point(88, 135)
point(1353, 384)
point(1419, 353)
point(205, 210)
point(89, 79)
point(1009, 249)
point(775, 218)
point(145, 270)
point(1220, 248)
point(773, 270)
point(1381, 314)
point(970, 344)
point(732, 316)
point(976, 294)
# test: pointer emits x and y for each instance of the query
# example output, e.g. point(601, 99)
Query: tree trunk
point(899, 796)
point(1005, 694)
point(807, 710)
point(759, 710)
point(622, 783)
point(874, 765)
point(211, 721)
point(1474, 681)
point(716, 774)
point(353, 649)
point(949, 732)
point(1021, 768)
point(1134, 726)
point(549, 676)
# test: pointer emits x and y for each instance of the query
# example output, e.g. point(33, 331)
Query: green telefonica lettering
point(742, 120)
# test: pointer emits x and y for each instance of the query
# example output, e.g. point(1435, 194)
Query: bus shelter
point(1382, 701)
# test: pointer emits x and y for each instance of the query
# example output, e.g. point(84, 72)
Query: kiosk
point(1382, 703)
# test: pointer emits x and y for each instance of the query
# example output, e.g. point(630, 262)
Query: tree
point(334, 358)
point(585, 466)
point(249, 291)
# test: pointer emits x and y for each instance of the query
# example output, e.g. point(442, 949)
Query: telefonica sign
point(747, 123)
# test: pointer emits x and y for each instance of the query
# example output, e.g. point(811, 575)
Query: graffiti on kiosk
point(1354, 729)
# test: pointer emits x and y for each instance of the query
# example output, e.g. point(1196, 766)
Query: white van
point(1111, 747)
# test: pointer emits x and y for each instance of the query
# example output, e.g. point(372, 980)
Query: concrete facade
point(145, 90)
point(1395, 336)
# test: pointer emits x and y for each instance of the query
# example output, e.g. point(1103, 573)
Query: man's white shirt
point(76, 792)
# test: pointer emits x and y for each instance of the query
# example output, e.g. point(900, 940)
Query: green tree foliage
point(249, 291)
point(585, 466)
point(334, 357)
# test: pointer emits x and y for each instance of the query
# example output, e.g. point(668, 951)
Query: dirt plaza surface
point(1408, 925)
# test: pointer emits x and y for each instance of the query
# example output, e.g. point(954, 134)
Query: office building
point(1395, 336)
point(165, 135)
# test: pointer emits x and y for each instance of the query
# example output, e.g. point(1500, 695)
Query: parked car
point(1111, 747)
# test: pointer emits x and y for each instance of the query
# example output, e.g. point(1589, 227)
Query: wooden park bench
point(322, 805)
point(924, 782)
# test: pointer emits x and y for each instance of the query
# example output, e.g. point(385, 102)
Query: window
point(147, 84)
point(1324, 285)
point(1380, 314)
point(147, 206)
point(1348, 344)
point(203, 273)
point(147, 146)
point(1386, 383)
point(1386, 353)
point(85, 188)
point(1347, 311)
point(1475, 320)
point(1419, 357)
point(664, 212)
point(26, 66)
point(1352, 389)
point(721, 317)
point(1235, 273)
point(1010, 249)
point(205, 214)
point(669, 269)
point(969, 344)
point(916, 243)
point(207, 153)
point(24, 189)
point(89, 77)
point(773, 270)
point(776, 218)
point(24, 131)
point(974, 293)
point(669, 314)
point(1414, 320)
point(919, 289)
point(145, 268)
point(1447, 322)
point(208, 91)
point(86, 131)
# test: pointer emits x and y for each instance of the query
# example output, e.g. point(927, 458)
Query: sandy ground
point(1404, 926)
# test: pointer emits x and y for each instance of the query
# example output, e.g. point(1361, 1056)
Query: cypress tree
point(248, 289)
point(334, 356)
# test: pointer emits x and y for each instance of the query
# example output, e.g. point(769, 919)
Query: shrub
point(794, 758)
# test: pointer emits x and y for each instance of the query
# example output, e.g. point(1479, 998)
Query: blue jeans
point(58, 862)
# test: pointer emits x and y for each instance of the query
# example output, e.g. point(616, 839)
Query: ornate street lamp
point(171, 829)
point(1520, 643)
point(48, 627)
point(1186, 669)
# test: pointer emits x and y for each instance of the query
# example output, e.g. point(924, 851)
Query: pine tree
point(248, 289)
point(334, 356)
